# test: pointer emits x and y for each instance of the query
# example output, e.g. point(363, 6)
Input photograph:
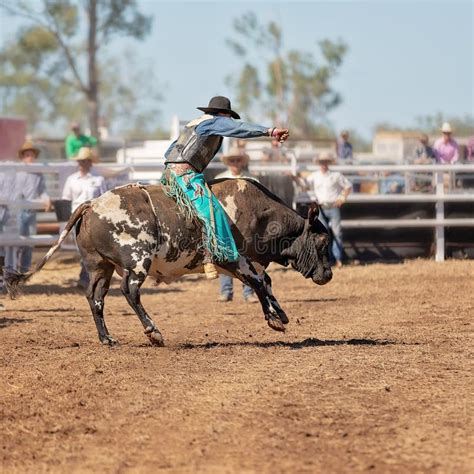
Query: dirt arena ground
point(373, 374)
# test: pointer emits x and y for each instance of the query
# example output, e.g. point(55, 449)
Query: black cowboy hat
point(220, 104)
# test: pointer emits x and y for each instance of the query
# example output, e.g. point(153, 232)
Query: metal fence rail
point(117, 174)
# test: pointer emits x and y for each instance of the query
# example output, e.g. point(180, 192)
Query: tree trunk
point(93, 75)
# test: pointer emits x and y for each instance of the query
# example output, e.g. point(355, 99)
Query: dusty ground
point(374, 373)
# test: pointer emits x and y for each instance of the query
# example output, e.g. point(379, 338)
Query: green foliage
point(56, 69)
point(121, 17)
point(288, 87)
point(133, 101)
point(431, 124)
point(462, 126)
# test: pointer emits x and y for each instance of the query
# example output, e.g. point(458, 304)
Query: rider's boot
point(209, 268)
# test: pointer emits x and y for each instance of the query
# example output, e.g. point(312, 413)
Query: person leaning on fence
point(236, 163)
point(424, 152)
point(77, 140)
point(83, 185)
point(28, 187)
point(331, 189)
point(424, 155)
point(446, 149)
point(470, 150)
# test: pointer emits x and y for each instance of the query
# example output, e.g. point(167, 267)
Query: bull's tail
point(13, 279)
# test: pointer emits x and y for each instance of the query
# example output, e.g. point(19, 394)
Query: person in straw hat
point(185, 161)
point(28, 187)
point(236, 161)
point(83, 185)
point(446, 148)
point(331, 189)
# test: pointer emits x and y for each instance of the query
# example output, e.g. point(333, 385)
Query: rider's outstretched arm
point(229, 127)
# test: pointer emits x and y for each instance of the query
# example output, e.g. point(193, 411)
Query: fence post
point(439, 232)
point(294, 172)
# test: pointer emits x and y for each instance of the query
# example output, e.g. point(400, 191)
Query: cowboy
point(446, 148)
point(84, 185)
point(186, 159)
point(28, 187)
point(77, 140)
point(331, 189)
point(237, 162)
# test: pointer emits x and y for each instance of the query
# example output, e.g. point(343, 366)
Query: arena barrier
point(444, 184)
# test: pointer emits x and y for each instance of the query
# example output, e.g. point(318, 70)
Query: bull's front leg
point(247, 274)
point(267, 281)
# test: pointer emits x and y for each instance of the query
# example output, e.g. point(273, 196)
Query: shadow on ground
point(72, 290)
point(313, 300)
point(5, 322)
point(309, 342)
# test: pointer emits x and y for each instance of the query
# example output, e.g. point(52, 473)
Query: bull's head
point(309, 252)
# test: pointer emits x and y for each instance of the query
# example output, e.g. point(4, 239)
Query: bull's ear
point(313, 214)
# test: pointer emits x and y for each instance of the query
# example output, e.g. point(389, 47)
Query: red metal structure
point(12, 135)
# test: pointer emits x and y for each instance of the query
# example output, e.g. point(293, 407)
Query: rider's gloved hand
point(281, 134)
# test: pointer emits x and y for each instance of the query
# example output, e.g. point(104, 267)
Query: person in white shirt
point(236, 161)
point(86, 183)
point(331, 189)
point(82, 186)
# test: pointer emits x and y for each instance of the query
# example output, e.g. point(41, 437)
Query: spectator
point(344, 148)
point(275, 154)
point(236, 163)
point(392, 183)
point(82, 186)
point(240, 144)
point(77, 140)
point(470, 150)
point(424, 153)
point(29, 187)
point(446, 148)
point(7, 190)
point(331, 189)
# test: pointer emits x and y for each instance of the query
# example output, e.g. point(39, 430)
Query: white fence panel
point(118, 174)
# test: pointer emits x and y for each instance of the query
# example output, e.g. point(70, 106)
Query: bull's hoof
point(108, 341)
point(283, 317)
point(156, 338)
point(275, 323)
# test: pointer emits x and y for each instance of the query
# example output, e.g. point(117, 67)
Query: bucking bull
point(139, 232)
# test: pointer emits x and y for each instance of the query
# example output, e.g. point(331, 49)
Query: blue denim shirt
point(228, 127)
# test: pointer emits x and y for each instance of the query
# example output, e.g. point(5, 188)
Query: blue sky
point(406, 58)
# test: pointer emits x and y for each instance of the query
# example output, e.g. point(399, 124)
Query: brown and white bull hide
point(139, 232)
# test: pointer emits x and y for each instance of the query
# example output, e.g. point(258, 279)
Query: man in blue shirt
point(186, 159)
point(344, 148)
